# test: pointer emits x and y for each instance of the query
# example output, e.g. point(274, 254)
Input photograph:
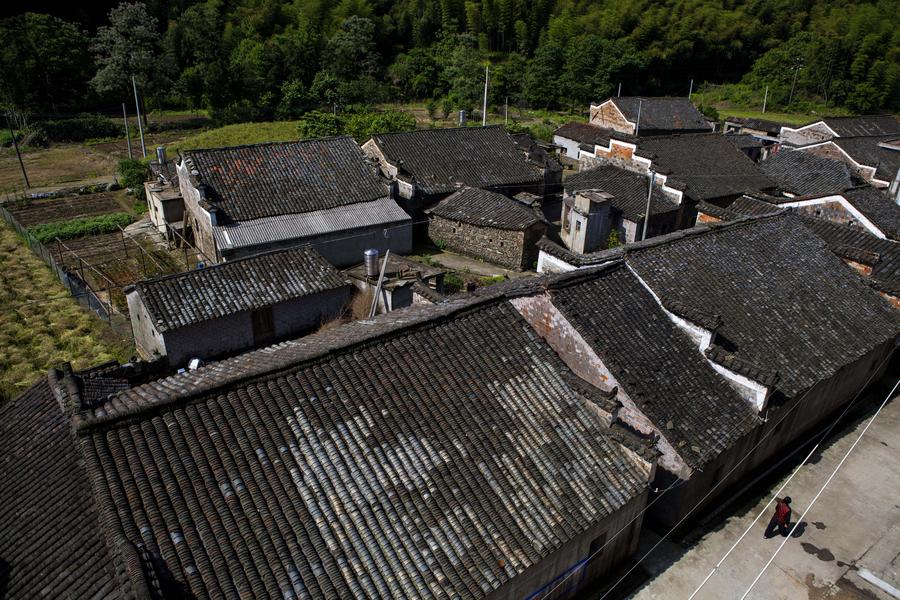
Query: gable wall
point(608, 116)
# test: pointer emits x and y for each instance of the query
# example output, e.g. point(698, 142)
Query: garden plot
point(52, 210)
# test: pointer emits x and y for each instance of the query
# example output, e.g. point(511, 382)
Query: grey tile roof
point(51, 544)
point(885, 254)
point(864, 125)
point(877, 207)
point(485, 209)
point(264, 180)
point(235, 286)
point(805, 174)
point(443, 160)
point(707, 164)
point(662, 114)
point(584, 133)
point(655, 363)
point(770, 127)
point(371, 469)
point(753, 207)
point(787, 304)
point(742, 141)
point(628, 189)
point(867, 152)
point(305, 226)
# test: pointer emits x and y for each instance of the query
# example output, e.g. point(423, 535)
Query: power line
point(679, 483)
point(822, 489)
point(822, 438)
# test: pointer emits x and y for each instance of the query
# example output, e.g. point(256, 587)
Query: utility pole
point(691, 89)
point(506, 111)
point(794, 84)
point(484, 108)
point(12, 134)
point(637, 126)
point(647, 211)
point(619, 95)
point(765, 99)
point(137, 106)
point(127, 135)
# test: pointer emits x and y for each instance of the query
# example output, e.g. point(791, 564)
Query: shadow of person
point(798, 531)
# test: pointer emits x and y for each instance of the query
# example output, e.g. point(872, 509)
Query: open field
point(41, 325)
point(52, 210)
point(242, 133)
point(57, 165)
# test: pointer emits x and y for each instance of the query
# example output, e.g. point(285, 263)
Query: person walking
point(781, 519)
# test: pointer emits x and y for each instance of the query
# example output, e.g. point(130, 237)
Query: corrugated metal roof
point(305, 225)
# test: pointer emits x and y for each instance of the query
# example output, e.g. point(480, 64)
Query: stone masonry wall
point(499, 246)
point(608, 116)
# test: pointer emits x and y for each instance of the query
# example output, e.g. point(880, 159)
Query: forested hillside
point(263, 59)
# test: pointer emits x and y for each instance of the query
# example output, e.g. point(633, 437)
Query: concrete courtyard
point(847, 547)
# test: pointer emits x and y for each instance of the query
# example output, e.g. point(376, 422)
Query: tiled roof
point(376, 470)
point(863, 126)
point(236, 286)
point(753, 207)
point(378, 213)
point(628, 189)
point(770, 127)
point(485, 209)
point(263, 180)
point(743, 140)
point(887, 252)
point(443, 160)
point(787, 305)
point(867, 152)
point(805, 174)
point(708, 164)
point(584, 133)
point(51, 544)
point(655, 363)
point(877, 207)
point(662, 114)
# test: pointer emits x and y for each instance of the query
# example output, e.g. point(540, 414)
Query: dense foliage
point(264, 59)
point(64, 230)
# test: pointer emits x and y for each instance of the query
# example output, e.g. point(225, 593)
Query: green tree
point(595, 66)
point(316, 124)
point(128, 46)
point(351, 52)
point(363, 125)
point(541, 87)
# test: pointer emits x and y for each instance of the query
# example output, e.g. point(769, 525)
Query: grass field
point(58, 165)
point(236, 135)
point(41, 325)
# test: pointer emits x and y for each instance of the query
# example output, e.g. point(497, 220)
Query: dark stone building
point(430, 164)
point(640, 116)
point(235, 306)
point(489, 226)
point(805, 174)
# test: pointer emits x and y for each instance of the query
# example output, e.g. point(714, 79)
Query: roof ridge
point(305, 248)
point(433, 129)
point(263, 144)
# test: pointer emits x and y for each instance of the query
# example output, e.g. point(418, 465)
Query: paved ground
point(458, 262)
point(852, 532)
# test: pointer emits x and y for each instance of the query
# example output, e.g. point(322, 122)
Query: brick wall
point(498, 246)
point(608, 116)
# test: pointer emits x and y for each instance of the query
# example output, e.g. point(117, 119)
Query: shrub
point(133, 174)
point(64, 230)
point(613, 240)
point(315, 124)
point(79, 129)
point(363, 126)
point(432, 108)
point(453, 283)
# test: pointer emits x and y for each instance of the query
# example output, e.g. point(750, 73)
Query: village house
point(489, 226)
point(875, 160)
point(875, 258)
point(586, 224)
point(430, 164)
point(442, 450)
point(689, 168)
point(638, 116)
point(234, 306)
point(765, 131)
point(244, 200)
point(784, 329)
point(806, 174)
point(572, 136)
point(840, 127)
point(749, 145)
point(406, 282)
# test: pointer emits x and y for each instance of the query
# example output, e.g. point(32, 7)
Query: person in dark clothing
point(781, 519)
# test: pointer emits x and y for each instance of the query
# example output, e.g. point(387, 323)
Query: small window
point(501, 244)
point(577, 226)
point(597, 545)
point(454, 229)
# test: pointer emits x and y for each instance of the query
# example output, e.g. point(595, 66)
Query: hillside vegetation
point(251, 60)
